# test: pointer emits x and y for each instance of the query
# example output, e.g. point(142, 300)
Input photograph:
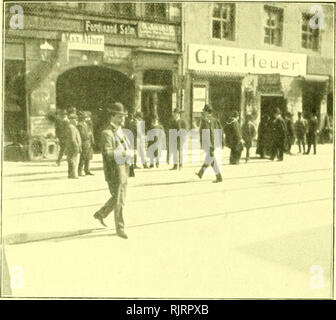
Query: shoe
point(99, 218)
point(89, 174)
point(81, 174)
point(198, 175)
point(151, 166)
point(145, 166)
point(218, 179)
point(174, 168)
point(122, 234)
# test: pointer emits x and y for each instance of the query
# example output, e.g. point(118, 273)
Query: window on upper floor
point(156, 11)
point(309, 37)
point(273, 25)
point(223, 21)
point(120, 9)
point(175, 12)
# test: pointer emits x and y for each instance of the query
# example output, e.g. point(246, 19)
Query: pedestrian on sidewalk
point(278, 136)
point(248, 133)
point(158, 141)
point(87, 152)
point(207, 126)
point(312, 132)
point(289, 132)
point(300, 131)
point(61, 124)
point(234, 138)
point(73, 146)
point(117, 155)
point(178, 124)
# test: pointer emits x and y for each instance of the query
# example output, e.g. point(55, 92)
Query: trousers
point(115, 203)
point(72, 164)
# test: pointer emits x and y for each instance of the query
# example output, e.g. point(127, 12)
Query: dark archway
point(91, 88)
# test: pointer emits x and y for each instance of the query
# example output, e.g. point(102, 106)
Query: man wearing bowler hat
point(117, 155)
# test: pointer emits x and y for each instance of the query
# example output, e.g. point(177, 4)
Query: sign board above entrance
point(110, 27)
point(157, 31)
point(226, 59)
point(83, 41)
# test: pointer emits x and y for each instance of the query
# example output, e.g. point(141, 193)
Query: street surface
point(265, 231)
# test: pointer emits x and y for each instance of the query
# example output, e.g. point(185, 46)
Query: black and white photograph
point(167, 150)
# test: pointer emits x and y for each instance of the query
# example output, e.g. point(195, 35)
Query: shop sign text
point(157, 31)
point(213, 58)
point(83, 41)
point(110, 28)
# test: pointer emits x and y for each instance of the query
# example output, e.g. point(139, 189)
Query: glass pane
point(216, 29)
point(225, 13)
point(216, 11)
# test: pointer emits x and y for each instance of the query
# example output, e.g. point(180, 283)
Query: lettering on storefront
point(82, 41)
point(157, 31)
point(110, 27)
point(269, 83)
point(213, 58)
point(116, 55)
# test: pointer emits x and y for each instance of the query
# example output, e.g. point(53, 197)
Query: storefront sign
point(157, 31)
point(110, 27)
point(86, 42)
point(213, 58)
point(116, 55)
point(269, 83)
point(40, 126)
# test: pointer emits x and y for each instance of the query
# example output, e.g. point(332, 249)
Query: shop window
point(273, 25)
point(309, 36)
point(156, 11)
point(120, 9)
point(223, 21)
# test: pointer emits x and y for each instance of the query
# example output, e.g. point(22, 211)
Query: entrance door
point(269, 104)
point(92, 89)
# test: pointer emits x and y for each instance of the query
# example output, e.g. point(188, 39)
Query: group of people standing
point(74, 131)
point(277, 134)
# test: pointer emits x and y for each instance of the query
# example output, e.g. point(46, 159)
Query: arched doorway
point(91, 88)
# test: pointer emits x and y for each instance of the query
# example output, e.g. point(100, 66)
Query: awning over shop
point(316, 78)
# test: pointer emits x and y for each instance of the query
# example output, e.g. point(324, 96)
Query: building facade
point(86, 55)
point(254, 57)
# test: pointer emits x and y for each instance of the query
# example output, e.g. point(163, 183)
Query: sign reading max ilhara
point(226, 59)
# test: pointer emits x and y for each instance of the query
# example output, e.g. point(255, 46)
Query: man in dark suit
point(279, 136)
point(248, 133)
point(312, 132)
point(87, 152)
point(234, 138)
point(177, 123)
point(73, 146)
point(61, 124)
point(117, 155)
point(208, 126)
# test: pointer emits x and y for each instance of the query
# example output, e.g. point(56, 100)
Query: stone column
point(137, 87)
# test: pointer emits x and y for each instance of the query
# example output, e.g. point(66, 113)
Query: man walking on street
point(300, 131)
point(117, 155)
point(278, 136)
point(61, 124)
point(208, 126)
point(248, 132)
point(73, 146)
point(312, 132)
point(87, 152)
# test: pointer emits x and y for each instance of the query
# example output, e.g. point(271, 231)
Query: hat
point(116, 108)
point(207, 108)
point(81, 115)
point(72, 116)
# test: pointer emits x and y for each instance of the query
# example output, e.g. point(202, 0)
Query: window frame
point(108, 9)
point(267, 11)
point(155, 16)
point(318, 36)
point(231, 21)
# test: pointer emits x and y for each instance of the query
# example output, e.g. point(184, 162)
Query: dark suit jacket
point(111, 150)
